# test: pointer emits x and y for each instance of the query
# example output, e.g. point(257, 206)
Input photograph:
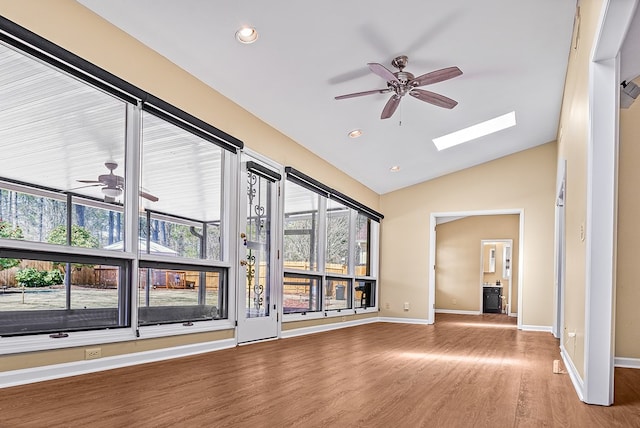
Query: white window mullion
point(132, 185)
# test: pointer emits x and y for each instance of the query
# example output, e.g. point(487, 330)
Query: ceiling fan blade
point(436, 76)
point(84, 187)
point(382, 71)
point(148, 196)
point(89, 181)
point(390, 107)
point(433, 98)
point(359, 94)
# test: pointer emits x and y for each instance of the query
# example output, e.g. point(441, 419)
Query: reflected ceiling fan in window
point(112, 184)
point(402, 82)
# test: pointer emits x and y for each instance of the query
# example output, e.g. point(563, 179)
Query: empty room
point(344, 214)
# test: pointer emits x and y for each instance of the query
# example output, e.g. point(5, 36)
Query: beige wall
point(627, 279)
point(525, 180)
point(572, 146)
point(75, 28)
point(458, 253)
point(59, 356)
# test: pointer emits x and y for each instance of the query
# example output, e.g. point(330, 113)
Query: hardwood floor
point(464, 371)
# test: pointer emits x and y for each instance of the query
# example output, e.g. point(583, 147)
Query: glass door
point(257, 302)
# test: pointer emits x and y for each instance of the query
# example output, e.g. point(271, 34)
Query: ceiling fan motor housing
point(401, 87)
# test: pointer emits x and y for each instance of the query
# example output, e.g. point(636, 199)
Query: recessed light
point(355, 133)
point(394, 168)
point(476, 131)
point(247, 35)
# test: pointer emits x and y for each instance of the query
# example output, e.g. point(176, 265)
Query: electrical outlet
point(406, 306)
point(387, 305)
point(344, 318)
point(92, 353)
point(455, 301)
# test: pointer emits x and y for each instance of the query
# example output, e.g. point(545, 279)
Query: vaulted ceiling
point(513, 55)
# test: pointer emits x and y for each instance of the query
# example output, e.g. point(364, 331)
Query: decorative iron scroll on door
point(255, 225)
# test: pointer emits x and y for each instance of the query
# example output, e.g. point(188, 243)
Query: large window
point(85, 166)
point(61, 184)
point(171, 294)
point(301, 220)
point(329, 250)
point(362, 250)
point(338, 222)
point(182, 178)
point(61, 293)
point(300, 293)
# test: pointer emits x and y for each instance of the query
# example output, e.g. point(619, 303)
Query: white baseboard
point(457, 312)
point(325, 327)
point(544, 328)
point(577, 381)
point(513, 314)
point(628, 363)
point(405, 320)
point(56, 371)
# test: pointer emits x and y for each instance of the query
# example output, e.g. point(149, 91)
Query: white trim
point(559, 252)
point(43, 342)
point(325, 327)
point(406, 320)
point(629, 363)
point(602, 157)
point(293, 317)
point(543, 328)
point(578, 384)
point(521, 268)
point(513, 314)
point(57, 371)
point(457, 312)
point(178, 329)
point(431, 286)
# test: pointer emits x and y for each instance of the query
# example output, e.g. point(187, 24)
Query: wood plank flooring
point(464, 371)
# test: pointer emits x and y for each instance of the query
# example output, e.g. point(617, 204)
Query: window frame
point(325, 193)
point(37, 49)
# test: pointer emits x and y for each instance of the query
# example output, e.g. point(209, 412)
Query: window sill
point(156, 331)
point(327, 314)
point(42, 342)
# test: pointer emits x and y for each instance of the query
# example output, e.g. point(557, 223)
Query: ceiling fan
point(402, 82)
point(113, 185)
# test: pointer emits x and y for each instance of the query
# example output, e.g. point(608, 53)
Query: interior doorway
point(496, 263)
point(457, 263)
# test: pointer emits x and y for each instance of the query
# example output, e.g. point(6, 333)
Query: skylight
point(476, 131)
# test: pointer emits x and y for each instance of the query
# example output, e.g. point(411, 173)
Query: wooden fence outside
point(83, 275)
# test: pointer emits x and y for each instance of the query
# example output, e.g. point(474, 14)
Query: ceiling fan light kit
point(112, 192)
point(401, 83)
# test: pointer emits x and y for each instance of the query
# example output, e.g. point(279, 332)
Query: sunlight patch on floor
point(483, 325)
point(465, 359)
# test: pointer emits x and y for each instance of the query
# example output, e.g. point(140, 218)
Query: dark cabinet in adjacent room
point(492, 300)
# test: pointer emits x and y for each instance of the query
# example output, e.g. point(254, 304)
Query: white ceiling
point(513, 54)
